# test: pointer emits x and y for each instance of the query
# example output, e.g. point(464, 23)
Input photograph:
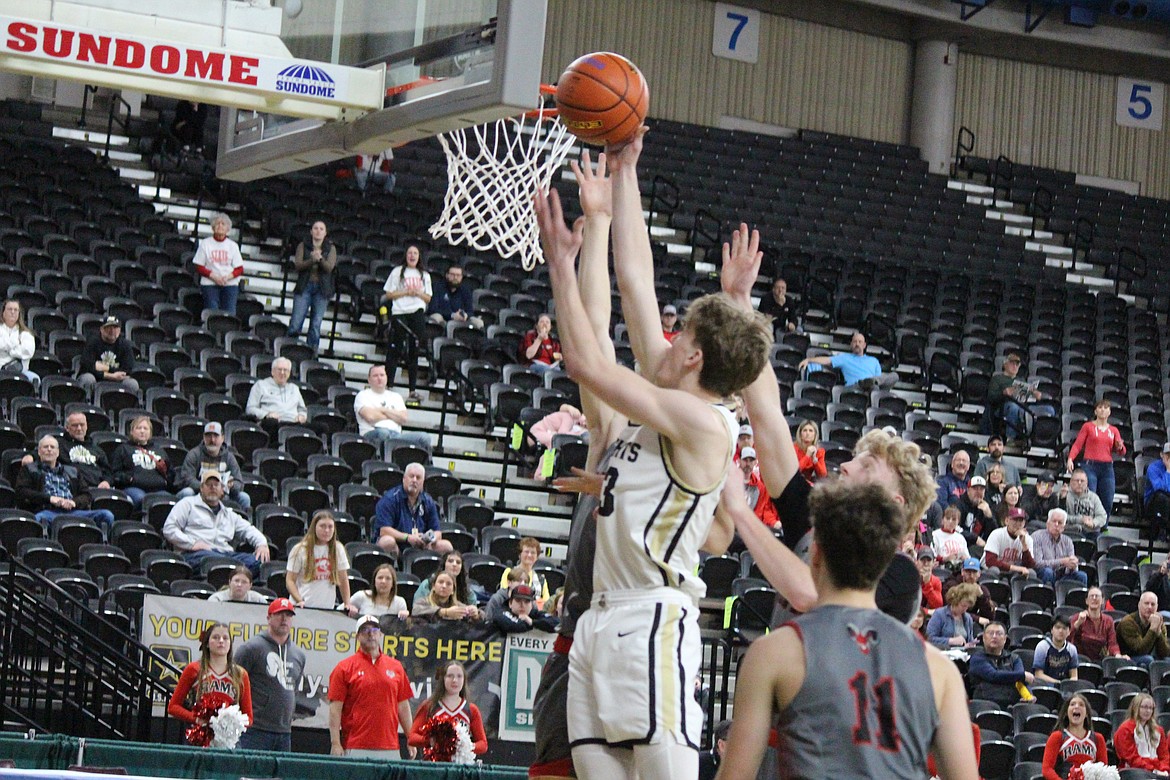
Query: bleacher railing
point(1040, 207)
point(964, 145)
point(1130, 266)
point(1084, 232)
point(664, 198)
point(70, 670)
point(712, 236)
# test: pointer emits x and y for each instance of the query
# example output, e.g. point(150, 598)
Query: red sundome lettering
point(204, 65)
point(22, 36)
point(165, 59)
point(93, 48)
point(241, 70)
point(55, 47)
point(129, 54)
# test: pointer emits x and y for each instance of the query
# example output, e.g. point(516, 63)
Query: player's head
point(728, 346)
point(857, 528)
point(896, 465)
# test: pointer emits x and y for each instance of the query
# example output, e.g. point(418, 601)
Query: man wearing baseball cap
point(1009, 548)
point(975, 515)
point(369, 696)
point(108, 357)
point(275, 665)
point(203, 526)
point(212, 455)
point(669, 322)
point(521, 613)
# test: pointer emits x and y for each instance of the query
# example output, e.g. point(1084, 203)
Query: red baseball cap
point(281, 605)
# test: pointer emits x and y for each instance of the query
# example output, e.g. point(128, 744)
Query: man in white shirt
point(381, 413)
point(1009, 548)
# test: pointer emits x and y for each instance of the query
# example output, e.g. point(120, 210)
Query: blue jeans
point(364, 177)
point(196, 557)
point(1017, 420)
point(255, 739)
point(237, 495)
point(1049, 576)
point(539, 368)
point(1143, 661)
point(308, 299)
point(415, 438)
point(103, 517)
point(221, 298)
point(1101, 481)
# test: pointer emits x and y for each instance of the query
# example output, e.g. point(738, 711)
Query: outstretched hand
point(596, 192)
point(560, 244)
point(741, 264)
point(624, 156)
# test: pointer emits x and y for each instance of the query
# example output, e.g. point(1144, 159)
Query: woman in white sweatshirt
point(17, 343)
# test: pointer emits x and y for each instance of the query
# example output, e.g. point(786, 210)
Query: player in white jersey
point(637, 649)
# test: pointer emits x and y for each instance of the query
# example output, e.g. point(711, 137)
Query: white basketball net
point(492, 180)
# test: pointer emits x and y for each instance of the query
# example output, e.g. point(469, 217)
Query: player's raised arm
point(633, 261)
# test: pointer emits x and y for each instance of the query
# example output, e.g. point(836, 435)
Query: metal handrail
point(660, 188)
point(123, 123)
point(1084, 233)
point(698, 229)
point(964, 145)
point(1040, 206)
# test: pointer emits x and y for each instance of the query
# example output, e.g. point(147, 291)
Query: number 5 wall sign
point(1140, 103)
point(737, 33)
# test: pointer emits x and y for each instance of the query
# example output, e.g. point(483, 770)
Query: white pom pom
point(464, 747)
point(1094, 770)
point(227, 725)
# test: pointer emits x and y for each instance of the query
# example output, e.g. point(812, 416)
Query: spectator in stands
point(275, 665)
point(995, 486)
point(408, 291)
point(1139, 741)
point(1156, 497)
point(1055, 558)
point(369, 698)
point(17, 342)
point(107, 357)
point(669, 320)
point(206, 681)
point(810, 456)
point(1098, 441)
point(1086, 514)
point(954, 626)
point(79, 450)
point(239, 588)
point(382, 598)
point(529, 552)
point(499, 599)
point(219, 262)
point(1042, 499)
point(381, 412)
point(452, 563)
point(276, 401)
point(1073, 742)
point(995, 455)
point(1010, 500)
point(1009, 548)
point(188, 126)
point(984, 609)
point(567, 419)
point(452, 300)
point(202, 527)
point(949, 545)
point(49, 488)
point(520, 614)
point(953, 484)
point(994, 672)
point(1093, 631)
point(212, 455)
point(449, 699)
point(539, 349)
point(1056, 658)
point(745, 438)
point(856, 366)
point(315, 261)
point(442, 603)
point(318, 567)
point(779, 308)
point(1010, 399)
point(407, 516)
point(377, 169)
point(1142, 635)
point(141, 466)
point(709, 759)
point(976, 519)
point(755, 491)
point(932, 596)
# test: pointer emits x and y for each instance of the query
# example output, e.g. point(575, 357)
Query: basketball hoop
point(493, 172)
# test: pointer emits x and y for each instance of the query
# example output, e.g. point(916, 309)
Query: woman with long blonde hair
point(1139, 741)
point(318, 566)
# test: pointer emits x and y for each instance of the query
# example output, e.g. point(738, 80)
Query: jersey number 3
point(607, 492)
point(879, 699)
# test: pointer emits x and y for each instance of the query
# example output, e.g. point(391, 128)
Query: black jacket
point(119, 356)
point(89, 459)
point(510, 624)
point(132, 467)
point(30, 487)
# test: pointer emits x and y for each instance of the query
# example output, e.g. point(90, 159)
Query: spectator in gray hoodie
point(212, 455)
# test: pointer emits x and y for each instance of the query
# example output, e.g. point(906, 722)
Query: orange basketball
point(602, 98)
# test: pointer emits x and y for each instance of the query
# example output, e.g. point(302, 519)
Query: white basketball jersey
point(650, 525)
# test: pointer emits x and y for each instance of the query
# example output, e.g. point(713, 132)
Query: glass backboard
point(448, 64)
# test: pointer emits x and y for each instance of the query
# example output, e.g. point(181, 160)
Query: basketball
point(602, 98)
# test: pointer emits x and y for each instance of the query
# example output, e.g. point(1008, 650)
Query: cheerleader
point(449, 699)
point(212, 681)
